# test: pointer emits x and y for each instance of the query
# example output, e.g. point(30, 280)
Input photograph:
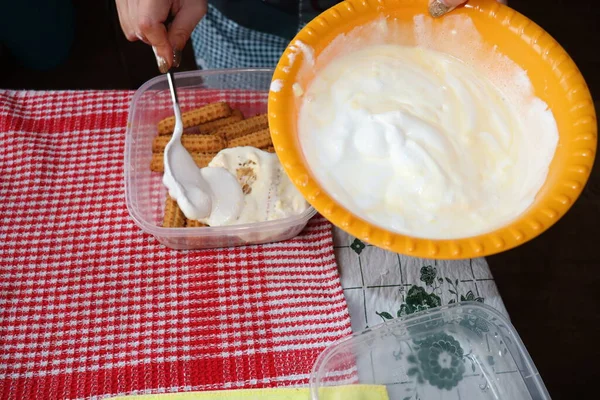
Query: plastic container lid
point(461, 351)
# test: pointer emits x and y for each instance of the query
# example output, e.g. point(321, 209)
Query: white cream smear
point(276, 85)
point(268, 193)
point(420, 143)
point(208, 194)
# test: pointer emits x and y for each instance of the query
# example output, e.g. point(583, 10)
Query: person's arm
point(437, 8)
point(145, 20)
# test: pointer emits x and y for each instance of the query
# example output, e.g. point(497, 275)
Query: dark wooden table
point(551, 286)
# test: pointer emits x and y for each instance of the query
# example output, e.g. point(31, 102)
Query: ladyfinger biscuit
point(192, 143)
point(173, 217)
point(243, 127)
point(267, 148)
point(257, 139)
point(195, 117)
point(192, 223)
point(209, 127)
point(201, 159)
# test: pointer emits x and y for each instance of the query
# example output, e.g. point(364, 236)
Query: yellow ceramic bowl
point(555, 78)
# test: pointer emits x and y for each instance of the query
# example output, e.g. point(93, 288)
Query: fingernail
point(176, 57)
point(163, 67)
point(437, 8)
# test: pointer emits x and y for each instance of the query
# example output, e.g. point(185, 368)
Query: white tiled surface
point(376, 281)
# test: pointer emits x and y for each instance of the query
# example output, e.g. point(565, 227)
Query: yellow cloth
point(350, 392)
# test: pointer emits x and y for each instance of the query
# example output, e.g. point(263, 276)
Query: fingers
point(149, 23)
point(186, 19)
point(156, 34)
point(453, 3)
point(437, 8)
point(145, 20)
point(124, 20)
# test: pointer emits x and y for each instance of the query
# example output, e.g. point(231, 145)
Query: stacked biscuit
point(207, 130)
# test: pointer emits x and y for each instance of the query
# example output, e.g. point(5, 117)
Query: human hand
point(145, 20)
point(437, 8)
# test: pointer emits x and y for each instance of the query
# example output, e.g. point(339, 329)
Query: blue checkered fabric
point(219, 42)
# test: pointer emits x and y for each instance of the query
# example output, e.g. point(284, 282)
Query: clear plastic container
point(461, 351)
point(144, 192)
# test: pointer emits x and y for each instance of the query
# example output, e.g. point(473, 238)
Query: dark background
point(551, 286)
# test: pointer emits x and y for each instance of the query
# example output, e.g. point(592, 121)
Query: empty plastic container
point(461, 351)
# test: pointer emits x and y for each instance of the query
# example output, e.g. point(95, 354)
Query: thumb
point(437, 8)
point(155, 34)
point(182, 26)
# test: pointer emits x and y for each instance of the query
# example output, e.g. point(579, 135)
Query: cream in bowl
point(523, 147)
point(420, 143)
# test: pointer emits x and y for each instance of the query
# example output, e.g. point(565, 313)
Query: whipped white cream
point(209, 194)
point(268, 193)
point(420, 143)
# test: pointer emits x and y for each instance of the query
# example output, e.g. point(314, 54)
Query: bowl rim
point(548, 209)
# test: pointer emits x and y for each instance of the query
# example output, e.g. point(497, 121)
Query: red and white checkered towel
point(91, 306)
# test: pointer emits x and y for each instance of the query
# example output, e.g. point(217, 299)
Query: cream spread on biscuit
point(268, 193)
point(420, 143)
point(208, 194)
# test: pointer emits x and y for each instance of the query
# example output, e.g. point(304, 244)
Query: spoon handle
point(171, 80)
